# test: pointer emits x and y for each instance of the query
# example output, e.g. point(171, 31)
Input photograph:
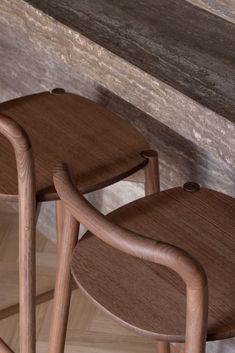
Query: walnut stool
point(151, 263)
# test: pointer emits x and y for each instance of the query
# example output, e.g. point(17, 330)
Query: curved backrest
point(27, 204)
point(136, 245)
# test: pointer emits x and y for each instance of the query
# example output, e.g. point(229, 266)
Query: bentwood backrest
point(27, 203)
point(144, 248)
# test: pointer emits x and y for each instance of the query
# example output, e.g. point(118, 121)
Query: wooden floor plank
point(89, 329)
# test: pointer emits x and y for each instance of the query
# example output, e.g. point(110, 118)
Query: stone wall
point(39, 53)
point(222, 8)
point(194, 143)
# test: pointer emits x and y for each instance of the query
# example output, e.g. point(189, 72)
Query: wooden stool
point(99, 146)
point(189, 231)
point(18, 139)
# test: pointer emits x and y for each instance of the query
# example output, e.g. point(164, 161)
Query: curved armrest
point(14, 133)
point(27, 204)
point(155, 251)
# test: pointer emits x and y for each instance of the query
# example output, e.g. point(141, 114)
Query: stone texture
point(174, 41)
point(194, 143)
point(222, 8)
point(39, 53)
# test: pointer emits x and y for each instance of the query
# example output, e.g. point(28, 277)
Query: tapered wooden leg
point(27, 204)
point(152, 179)
point(38, 209)
point(163, 347)
point(63, 285)
point(152, 185)
point(59, 222)
point(27, 279)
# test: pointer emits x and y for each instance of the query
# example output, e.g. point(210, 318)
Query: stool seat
point(97, 144)
point(150, 298)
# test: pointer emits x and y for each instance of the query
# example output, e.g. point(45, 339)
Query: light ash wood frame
point(78, 208)
point(27, 217)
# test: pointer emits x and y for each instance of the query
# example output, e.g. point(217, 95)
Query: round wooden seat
point(150, 298)
point(98, 145)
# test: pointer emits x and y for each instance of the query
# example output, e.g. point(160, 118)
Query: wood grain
point(63, 285)
point(163, 348)
point(201, 223)
point(67, 127)
point(94, 331)
point(151, 171)
point(59, 224)
point(152, 185)
point(27, 226)
point(140, 247)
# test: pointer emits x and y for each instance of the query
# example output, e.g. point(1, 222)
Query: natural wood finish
point(131, 243)
point(40, 299)
point(27, 206)
point(38, 209)
point(152, 185)
point(59, 223)
point(76, 123)
point(163, 347)
point(202, 223)
point(94, 331)
point(63, 285)
point(152, 179)
point(9, 259)
point(43, 297)
point(14, 309)
point(100, 146)
point(4, 348)
point(138, 177)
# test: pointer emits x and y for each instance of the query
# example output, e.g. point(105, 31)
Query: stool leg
point(27, 280)
point(63, 285)
point(163, 347)
point(152, 179)
point(152, 185)
point(59, 223)
point(38, 209)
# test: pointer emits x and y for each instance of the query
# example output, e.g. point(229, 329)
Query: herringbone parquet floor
point(89, 330)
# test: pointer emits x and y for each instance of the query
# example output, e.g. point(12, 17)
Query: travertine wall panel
point(222, 8)
point(178, 43)
point(46, 54)
point(194, 143)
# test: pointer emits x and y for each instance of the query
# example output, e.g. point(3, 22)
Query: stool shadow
point(178, 155)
